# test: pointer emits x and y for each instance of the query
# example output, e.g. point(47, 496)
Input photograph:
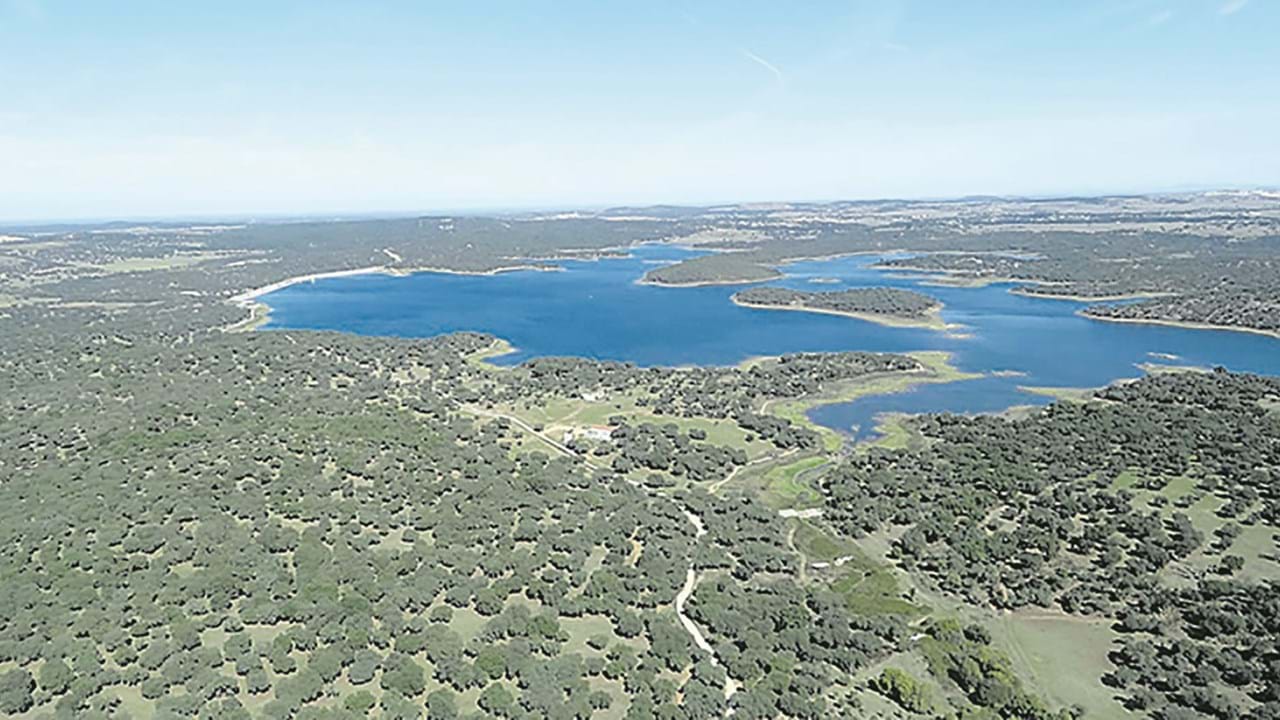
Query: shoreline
point(249, 297)
point(771, 265)
point(935, 322)
point(935, 367)
point(1090, 298)
point(706, 283)
point(260, 312)
point(956, 278)
point(1184, 324)
point(404, 272)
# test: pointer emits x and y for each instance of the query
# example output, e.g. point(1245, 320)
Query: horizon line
point(483, 210)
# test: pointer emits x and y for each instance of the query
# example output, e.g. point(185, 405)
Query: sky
point(136, 109)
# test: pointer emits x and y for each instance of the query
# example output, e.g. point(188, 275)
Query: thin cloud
point(1160, 18)
point(1231, 7)
point(764, 64)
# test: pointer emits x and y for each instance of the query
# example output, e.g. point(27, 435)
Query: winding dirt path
point(731, 686)
point(690, 584)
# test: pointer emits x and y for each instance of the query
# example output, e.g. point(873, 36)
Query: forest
point(204, 523)
point(886, 301)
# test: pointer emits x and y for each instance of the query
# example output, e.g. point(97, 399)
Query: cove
point(596, 309)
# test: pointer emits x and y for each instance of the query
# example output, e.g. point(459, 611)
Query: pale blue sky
point(130, 108)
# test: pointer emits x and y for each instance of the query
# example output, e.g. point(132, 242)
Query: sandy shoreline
point(933, 323)
point(250, 296)
point(1186, 325)
point(260, 312)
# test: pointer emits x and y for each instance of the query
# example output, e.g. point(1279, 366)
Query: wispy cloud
point(1160, 18)
point(1231, 7)
point(764, 64)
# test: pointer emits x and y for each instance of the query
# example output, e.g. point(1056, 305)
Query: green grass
point(148, 264)
point(871, 587)
point(894, 432)
point(785, 488)
point(819, 546)
point(874, 590)
point(1061, 658)
point(875, 705)
point(1256, 544)
point(560, 414)
point(937, 369)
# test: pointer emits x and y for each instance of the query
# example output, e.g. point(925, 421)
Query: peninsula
point(887, 306)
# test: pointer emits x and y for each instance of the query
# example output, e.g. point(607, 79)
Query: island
point(884, 305)
point(717, 269)
point(316, 524)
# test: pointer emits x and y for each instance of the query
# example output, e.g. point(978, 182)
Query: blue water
point(596, 309)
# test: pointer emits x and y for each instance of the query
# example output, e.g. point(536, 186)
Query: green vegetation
point(933, 367)
point(715, 269)
point(1047, 511)
point(887, 306)
point(1063, 658)
point(784, 486)
point(899, 686)
point(306, 525)
point(963, 656)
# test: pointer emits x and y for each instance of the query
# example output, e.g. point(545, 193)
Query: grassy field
point(559, 415)
point(1061, 658)
point(870, 586)
point(817, 545)
point(785, 485)
point(875, 705)
point(148, 264)
point(894, 432)
point(1257, 544)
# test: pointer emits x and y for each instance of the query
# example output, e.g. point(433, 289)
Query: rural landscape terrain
point(205, 516)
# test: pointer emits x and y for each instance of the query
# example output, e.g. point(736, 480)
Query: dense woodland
point(1037, 512)
point(892, 302)
point(201, 523)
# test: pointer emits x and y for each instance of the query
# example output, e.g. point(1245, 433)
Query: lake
point(596, 309)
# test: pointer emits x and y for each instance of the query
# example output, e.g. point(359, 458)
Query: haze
point(169, 109)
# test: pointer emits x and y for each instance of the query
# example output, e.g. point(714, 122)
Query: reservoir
point(596, 309)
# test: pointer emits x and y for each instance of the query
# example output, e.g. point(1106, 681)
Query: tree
point(404, 675)
point(442, 704)
point(55, 676)
point(492, 661)
point(15, 691)
point(360, 702)
point(496, 699)
point(363, 667)
point(900, 687)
